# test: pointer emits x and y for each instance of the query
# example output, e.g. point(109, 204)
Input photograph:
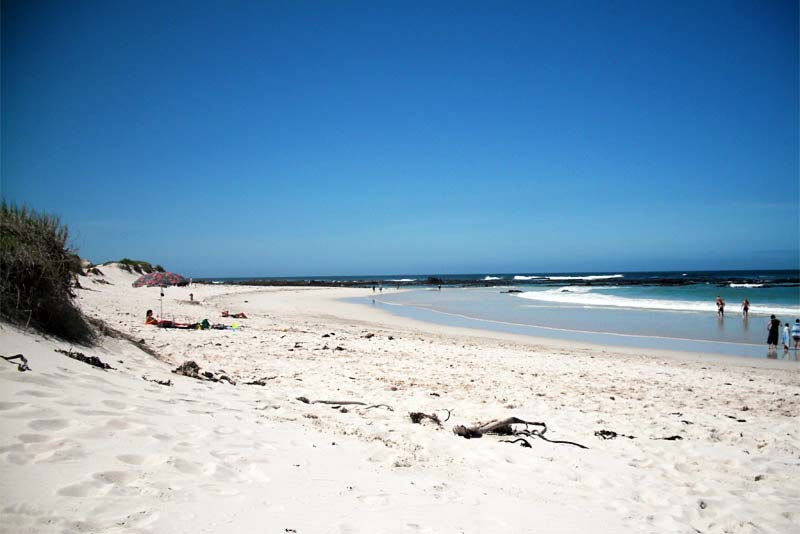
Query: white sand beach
point(89, 450)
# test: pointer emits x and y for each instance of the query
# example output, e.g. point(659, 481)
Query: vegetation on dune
point(138, 266)
point(36, 270)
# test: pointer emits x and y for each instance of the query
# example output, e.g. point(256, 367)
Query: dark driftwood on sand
point(418, 417)
point(157, 381)
point(339, 404)
point(192, 370)
point(23, 362)
point(94, 361)
point(505, 428)
point(610, 434)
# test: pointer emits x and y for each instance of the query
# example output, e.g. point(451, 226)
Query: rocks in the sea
point(512, 291)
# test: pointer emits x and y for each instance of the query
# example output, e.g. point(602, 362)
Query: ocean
point(663, 310)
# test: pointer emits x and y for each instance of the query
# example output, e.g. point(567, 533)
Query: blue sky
point(312, 138)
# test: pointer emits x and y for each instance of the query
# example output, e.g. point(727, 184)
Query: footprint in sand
point(185, 467)
point(118, 424)
point(115, 477)
point(81, 489)
point(95, 412)
point(33, 438)
point(49, 424)
point(115, 404)
point(37, 393)
point(10, 405)
point(19, 458)
point(141, 459)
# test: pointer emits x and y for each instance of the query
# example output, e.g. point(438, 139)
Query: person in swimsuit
point(745, 307)
point(720, 306)
point(149, 319)
point(774, 327)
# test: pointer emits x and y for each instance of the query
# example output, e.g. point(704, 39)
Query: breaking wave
point(590, 277)
point(523, 277)
point(493, 278)
point(745, 285)
point(585, 297)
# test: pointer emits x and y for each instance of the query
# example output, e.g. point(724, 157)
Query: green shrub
point(36, 269)
point(137, 266)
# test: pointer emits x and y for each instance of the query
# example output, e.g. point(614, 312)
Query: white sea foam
point(591, 277)
point(403, 280)
point(523, 277)
point(492, 278)
point(745, 285)
point(585, 297)
point(576, 289)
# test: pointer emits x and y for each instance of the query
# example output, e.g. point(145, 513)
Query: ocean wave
point(522, 277)
point(403, 280)
point(590, 299)
point(590, 277)
point(493, 278)
point(577, 289)
point(745, 285)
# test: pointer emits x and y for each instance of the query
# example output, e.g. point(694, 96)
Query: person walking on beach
point(785, 338)
point(745, 307)
point(774, 327)
point(720, 306)
point(796, 333)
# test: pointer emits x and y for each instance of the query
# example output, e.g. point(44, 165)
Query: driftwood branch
point(610, 434)
point(419, 417)
point(505, 428)
point(157, 381)
point(260, 381)
point(94, 361)
point(192, 370)
point(22, 365)
point(339, 404)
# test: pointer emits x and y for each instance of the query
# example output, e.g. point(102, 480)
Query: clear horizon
point(272, 137)
point(488, 273)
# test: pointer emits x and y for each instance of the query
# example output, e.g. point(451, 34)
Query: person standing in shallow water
point(796, 333)
point(745, 307)
point(774, 327)
point(720, 306)
point(785, 337)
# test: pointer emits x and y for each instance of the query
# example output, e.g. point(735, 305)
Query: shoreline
point(368, 315)
point(115, 450)
point(579, 337)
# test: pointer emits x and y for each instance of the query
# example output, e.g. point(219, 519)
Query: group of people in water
point(788, 335)
point(721, 307)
